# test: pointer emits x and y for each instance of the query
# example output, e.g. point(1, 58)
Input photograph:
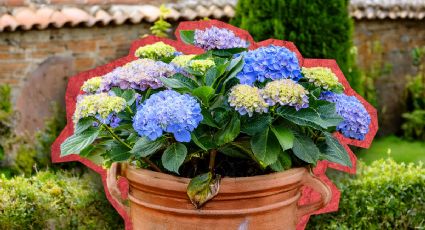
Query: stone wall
point(37, 64)
point(384, 52)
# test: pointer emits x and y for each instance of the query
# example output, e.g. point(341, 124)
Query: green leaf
point(204, 93)
point(187, 36)
point(208, 119)
point(173, 157)
point(255, 124)
point(320, 118)
point(265, 147)
point(203, 188)
point(228, 52)
point(187, 81)
point(197, 142)
point(232, 151)
point(83, 124)
point(229, 132)
point(210, 76)
point(118, 153)
point(77, 142)
point(335, 152)
point(283, 162)
point(284, 136)
point(305, 149)
point(236, 66)
point(129, 96)
point(145, 147)
point(204, 137)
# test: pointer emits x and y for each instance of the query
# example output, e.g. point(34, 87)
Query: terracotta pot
point(159, 201)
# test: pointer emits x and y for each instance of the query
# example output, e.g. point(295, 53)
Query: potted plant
point(215, 133)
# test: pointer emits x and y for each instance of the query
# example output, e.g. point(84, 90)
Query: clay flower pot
point(159, 201)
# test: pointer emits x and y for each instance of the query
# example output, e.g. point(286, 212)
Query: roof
point(41, 14)
point(392, 9)
point(21, 16)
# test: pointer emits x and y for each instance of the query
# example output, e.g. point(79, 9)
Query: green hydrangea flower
point(201, 65)
point(156, 51)
point(100, 104)
point(285, 92)
point(182, 60)
point(322, 77)
point(91, 85)
point(247, 100)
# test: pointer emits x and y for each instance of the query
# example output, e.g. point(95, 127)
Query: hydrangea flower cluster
point(112, 120)
point(168, 111)
point(201, 65)
point(92, 85)
point(218, 38)
point(322, 77)
point(285, 92)
point(271, 62)
point(156, 51)
point(356, 118)
point(182, 60)
point(140, 74)
point(99, 105)
point(247, 100)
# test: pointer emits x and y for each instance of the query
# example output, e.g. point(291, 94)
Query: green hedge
point(58, 200)
point(384, 195)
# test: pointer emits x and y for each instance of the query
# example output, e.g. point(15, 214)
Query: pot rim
point(230, 185)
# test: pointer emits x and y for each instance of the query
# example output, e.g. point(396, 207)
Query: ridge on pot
point(212, 105)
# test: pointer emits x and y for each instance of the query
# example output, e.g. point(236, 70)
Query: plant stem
point(145, 159)
point(213, 154)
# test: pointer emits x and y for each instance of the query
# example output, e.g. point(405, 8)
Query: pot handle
point(319, 186)
point(112, 184)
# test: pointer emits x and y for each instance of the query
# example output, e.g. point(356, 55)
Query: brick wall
point(37, 64)
point(384, 48)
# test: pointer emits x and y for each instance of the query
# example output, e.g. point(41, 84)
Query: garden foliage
point(60, 200)
point(319, 29)
point(384, 195)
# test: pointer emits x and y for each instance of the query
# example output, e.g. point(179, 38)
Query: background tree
point(319, 28)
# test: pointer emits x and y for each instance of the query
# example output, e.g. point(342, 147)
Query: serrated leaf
point(265, 147)
point(145, 147)
point(197, 142)
point(305, 149)
point(228, 52)
point(83, 124)
point(255, 124)
point(118, 153)
point(189, 82)
point(210, 76)
point(284, 136)
point(77, 142)
point(187, 36)
point(204, 93)
point(208, 119)
point(282, 163)
point(203, 188)
point(173, 157)
point(232, 150)
point(129, 96)
point(174, 83)
point(229, 132)
point(335, 152)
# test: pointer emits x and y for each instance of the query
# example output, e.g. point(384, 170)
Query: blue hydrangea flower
point(356, 118)
point(168, 111)
point(140, 74)
point(271, 62)
point(218, 38)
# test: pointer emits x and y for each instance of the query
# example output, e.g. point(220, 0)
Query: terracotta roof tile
point(18, 15)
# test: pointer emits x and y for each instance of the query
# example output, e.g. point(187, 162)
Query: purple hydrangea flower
point(112, 120)
point(140, 74)
point(168, 111)
point(271, 62)
point(218, 38)
point(356, 118)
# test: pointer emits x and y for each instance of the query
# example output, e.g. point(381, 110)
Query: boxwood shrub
point(55, 200)
point(384, 195)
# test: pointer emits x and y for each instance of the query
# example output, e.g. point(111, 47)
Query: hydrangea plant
point(229, 111)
